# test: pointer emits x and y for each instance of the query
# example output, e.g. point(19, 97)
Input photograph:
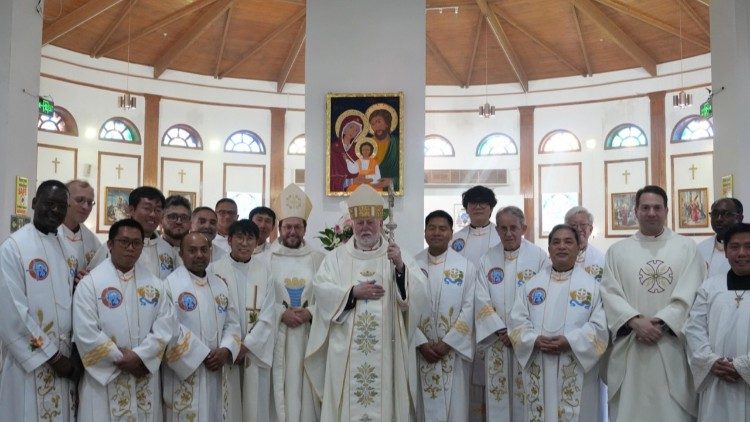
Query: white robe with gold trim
point(448, 316)
point(712, 331)
point(36, 298)
point(108, 314)
point(84, 243)
point(361, 361)
point(292, 273)
point(500, 274)
point(473, 243)
point(208, 319)
point(656, 277)
point(157, 256)
point(561, 387)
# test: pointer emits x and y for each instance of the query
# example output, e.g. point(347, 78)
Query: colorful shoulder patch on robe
point(580, 297)
point(453, 276)
point(495, 275)
point(458, 245)
point(38, 269)
point(111, 297)
point(148, 295)
point(537, 295)
point(187, 301)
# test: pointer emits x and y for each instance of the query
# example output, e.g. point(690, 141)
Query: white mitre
point(365, 202)
point(293, 202)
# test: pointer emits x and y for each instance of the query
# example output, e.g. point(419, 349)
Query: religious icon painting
point(116, 204)
point(191, 196)
point(692, 208)
point(364, 142)
point(623, 211)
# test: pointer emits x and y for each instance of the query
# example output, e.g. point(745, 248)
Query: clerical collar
point(479, 231)
point(75, 230)
point(376, 247)
point(511, 255)
point(45, 232)
point(561, 275)
point(641, 235)
point(125, 276)
point(437, 259)
point(718, 245)
point(201, 281)
point(737, 282)
point(238, 261)
point(73, 236)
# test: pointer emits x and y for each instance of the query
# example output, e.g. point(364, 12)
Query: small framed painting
point(116, 204)
point(623, 211)
point(692, 207)
point(191, 196)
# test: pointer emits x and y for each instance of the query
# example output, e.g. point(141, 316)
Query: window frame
point(253, 135)
point(191, 130)
point(487, 138)
point(615, 130)
point(129, 124)
point(550, 135)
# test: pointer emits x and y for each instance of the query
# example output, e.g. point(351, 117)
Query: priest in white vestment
point(725, 213)
point(265, 219)
point(247, 278)
point(37, 270)
point(122, 322)
point(72, 231)
point(146, 206)
point(649, 283)
point(473, 241)
point(445, 330)
point(559, 332)
point(293, 264)
point(204, 220)
point(503, 269)
point(226, 210)
point(358, 355)
point(716, 334)
point(195, 374)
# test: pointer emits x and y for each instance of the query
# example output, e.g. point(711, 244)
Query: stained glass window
point(693, 128)
point(559, 141)
point(626, 136)
point(437, 146)
point(496, 144)
point(298, 146)
point(119, 129)
point(244, 141)
point(61, 121)
point(182, 136)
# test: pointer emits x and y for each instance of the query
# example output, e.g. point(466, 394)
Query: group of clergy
point(208, 319)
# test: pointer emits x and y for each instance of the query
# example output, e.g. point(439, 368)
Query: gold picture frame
point(622, 206)
point(692, 208)
point(116, 204)
point(357, 119)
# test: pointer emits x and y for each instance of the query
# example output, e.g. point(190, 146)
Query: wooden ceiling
point(469, 42)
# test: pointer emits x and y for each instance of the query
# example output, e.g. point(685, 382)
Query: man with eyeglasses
point(37, 270)
point(122, 321)
point(480, 235)
point(725, 213)
point(175, 223)
point(589, 258)
point(72, 231)
point(146, 206)
point(226, 211)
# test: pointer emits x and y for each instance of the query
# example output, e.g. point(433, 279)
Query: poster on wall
point(623, 211)
point(727, 186)
point(22, 195)
point(460, 217)
point(191, 196)
point(116, 204)
point(554, 207)
point(692, 208)
point(364, 142)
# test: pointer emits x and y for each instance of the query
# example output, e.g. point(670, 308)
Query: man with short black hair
point(36, 295)
point(725, 213)
point(474, 240)
point(716, 335)
point(650, 280)
point(204, 220)
point(122, 320)
point(226, 210)
point(146, 206)
point(175, 222)
point(72, 231)
point(265, 219)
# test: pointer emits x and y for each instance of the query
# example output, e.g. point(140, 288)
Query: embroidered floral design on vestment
point(655, 276)
point(580, 297)
point(148, 295)
point(365, 325)
point(364, 390)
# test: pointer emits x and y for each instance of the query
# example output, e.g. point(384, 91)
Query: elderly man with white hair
point(590, 258)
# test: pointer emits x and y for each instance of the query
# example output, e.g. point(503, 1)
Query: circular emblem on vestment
point(655, 276)
point(187, 301)
point(111, 297)
point(537, 295)
point(38, 269)
point(458, 245)
point(495, 275)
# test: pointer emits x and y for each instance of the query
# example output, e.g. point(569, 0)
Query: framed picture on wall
point(692, 207)
point(364, 142)
point(623, 211)
point(460, 217)
point(191, 196)
point(116, 204)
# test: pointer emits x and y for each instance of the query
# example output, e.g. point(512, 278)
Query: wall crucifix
point(119, 169)
point(626, 174)
point(56, 162)
point(692, 169)
point(182, 174)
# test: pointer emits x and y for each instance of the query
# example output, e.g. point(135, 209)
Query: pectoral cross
point(182, 175)
point(55, 162)
point(626, 174)
point(692, 169)
point(119, 169)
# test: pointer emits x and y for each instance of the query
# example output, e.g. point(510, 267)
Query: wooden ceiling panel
point(543, 34)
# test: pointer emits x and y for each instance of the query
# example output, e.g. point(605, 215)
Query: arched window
point(119, 129)
point(559, 141)
point(61, 121)
point(244, 141)
point(693, 128)
point(298, 146)
point(496, 144)
point(182, 136)
point(437, 146)
point(626, 136)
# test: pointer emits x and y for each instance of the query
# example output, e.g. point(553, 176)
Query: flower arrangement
point(333, 237)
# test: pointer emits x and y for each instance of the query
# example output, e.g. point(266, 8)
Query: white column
point(366, 46)
point(730, 68)
point(20, 52)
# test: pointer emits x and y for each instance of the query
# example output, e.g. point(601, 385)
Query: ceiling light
point(682, 99)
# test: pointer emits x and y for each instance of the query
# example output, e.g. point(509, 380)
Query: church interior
point(581, 102)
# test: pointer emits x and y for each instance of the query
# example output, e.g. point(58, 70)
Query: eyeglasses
point(722, 214)
point(81, 200)
point(126, 243)
point(175, 217)
point(580, 226)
